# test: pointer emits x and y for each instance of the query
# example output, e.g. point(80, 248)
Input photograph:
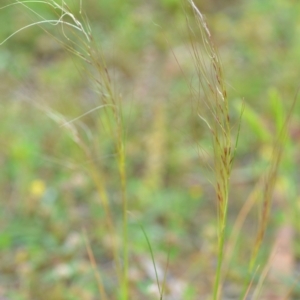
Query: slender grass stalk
point(269, 184)
point(211, 93)
point(122, 170)
point(78, 39)
point(117, 131)
point(265, 195)
point(101, 287)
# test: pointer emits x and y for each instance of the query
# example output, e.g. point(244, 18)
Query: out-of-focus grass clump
point(46, 179)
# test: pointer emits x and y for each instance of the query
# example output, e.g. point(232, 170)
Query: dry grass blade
point(160, 290)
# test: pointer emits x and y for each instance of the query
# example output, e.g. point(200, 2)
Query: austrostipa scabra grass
point(71, 30)
point(210, 94)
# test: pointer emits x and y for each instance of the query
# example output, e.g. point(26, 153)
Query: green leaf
point(277, 109)
point(255, 122)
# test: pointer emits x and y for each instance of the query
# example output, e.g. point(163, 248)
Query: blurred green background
point(47, 197)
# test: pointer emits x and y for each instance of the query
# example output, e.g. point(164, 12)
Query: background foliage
point(47, 196)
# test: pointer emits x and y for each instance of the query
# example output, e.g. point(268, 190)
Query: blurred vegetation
point(47, 194)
